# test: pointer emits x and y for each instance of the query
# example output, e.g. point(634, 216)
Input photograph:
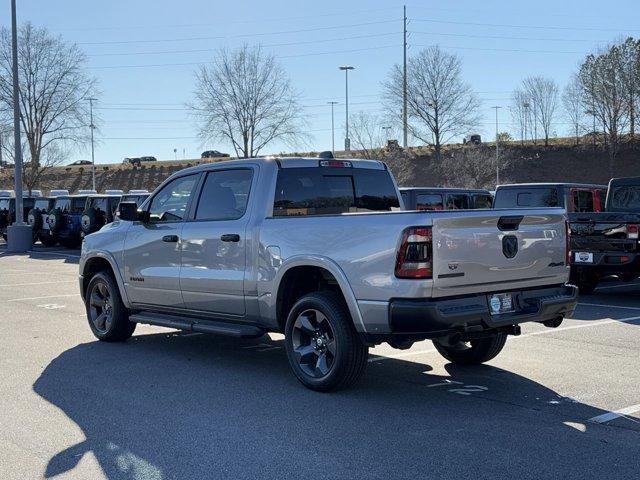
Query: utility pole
point(404, 84)
point(347, 142)
point(497, 151)
point(20, 237)
point(333, 133)
point(93, 160)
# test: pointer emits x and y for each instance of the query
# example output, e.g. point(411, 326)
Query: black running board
point(197, 325)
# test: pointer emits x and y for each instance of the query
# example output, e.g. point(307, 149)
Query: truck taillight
point(632, 231)
point(415, 257)
point(568, 243)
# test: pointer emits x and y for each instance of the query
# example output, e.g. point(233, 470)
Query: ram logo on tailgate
point(509, 246)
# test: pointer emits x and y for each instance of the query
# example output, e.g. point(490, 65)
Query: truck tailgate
point(603, 232)
point(498, 250)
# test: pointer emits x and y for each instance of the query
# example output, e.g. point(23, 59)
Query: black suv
point(99, 210)
point(213, 154)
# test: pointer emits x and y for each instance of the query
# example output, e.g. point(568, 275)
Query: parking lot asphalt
point(556, 403)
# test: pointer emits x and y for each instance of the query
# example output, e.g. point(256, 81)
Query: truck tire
point(474, 352)
point(323, 347)
point(47, 240)
point(108, 317)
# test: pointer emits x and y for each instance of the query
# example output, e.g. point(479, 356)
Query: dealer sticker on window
point(500, 303)
point(583, 257)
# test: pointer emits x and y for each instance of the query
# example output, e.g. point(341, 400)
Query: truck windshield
point(527, 197)
point(625, 198)
point(327, 191)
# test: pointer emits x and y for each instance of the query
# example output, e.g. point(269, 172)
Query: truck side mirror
point(128, 211)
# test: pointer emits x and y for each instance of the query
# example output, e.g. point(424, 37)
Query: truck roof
point(446, 189)
point(289, 162)
point(553, 184)
point(625, 181)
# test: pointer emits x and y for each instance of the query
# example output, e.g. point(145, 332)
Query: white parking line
point(623, 412)
point(38, 252)
point(607, 306)
point(37, 283)
point(40, 298)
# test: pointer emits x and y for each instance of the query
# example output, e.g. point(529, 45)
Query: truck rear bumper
point(611, 263)
point(432, 318)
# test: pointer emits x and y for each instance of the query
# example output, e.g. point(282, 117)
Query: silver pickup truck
point(319, 249)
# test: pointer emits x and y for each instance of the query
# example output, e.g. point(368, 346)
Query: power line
point(505, 37)
point(504, 50)
point(244, 35)
point(183, 64)
point(200, 50)
point(534, 27)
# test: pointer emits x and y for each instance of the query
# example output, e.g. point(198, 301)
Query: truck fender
point(116, 272)
point(331, 267)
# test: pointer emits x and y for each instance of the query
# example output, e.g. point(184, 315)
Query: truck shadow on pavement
point(179, 405)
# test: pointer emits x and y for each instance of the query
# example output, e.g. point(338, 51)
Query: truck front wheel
point(473, 352)
point(323, 348)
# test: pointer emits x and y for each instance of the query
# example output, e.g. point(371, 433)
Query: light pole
point(497, 153)
point(333, 132)
point(526, 106)
point(19, 235)
point(92, 128)
point(386, 132)
point(346, 68)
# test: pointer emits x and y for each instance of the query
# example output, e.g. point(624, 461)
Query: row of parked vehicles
point(65, 219)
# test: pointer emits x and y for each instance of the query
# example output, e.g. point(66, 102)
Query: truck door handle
point(170, 238)
point(230, 237)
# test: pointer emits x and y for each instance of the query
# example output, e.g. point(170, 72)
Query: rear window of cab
point(530, 197)
point(329, 191)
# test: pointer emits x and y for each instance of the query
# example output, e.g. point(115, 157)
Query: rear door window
point(78, 204)
point(429, 201)
point(224, 195)
point(527, 197)
point(327, 190)
point(64, 204)
point(42, 204)
point(626, 198)
point(4, 204)
point(583, 200)
point(99, 204)
point(457, 201)
point(482, 201)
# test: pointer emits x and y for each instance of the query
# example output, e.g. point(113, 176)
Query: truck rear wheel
point(473, 352)
point(323, 348)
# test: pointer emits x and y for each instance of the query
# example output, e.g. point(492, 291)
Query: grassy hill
point(460, 166)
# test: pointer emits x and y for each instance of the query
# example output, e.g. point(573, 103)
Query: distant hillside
point(460, 166)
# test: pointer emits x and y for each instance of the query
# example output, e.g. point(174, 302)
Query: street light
point(20, 237)
point(346, 68)
point(497, 154)
point(92, 127)
point(333, 133)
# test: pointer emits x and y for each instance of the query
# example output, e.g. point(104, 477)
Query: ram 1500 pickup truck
point(319, 250)
point(607, 243)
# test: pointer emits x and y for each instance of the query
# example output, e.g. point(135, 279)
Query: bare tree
point(246, 98)
point(543, 93)
point(603, 89)
point(573, 106)
point(629, 51)
point(54, 89)
point(520, 109)
point(440, 104)
point(367, 134)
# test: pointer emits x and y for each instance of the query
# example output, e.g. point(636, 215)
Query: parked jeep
point(65, 219)
point(8, 210)
point(37, 219)
point(319, 250)
point(573, 197)
point(99, 210)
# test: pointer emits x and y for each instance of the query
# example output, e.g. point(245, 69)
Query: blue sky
point(144, 86)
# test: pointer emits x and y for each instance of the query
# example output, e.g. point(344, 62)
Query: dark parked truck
point(436, 198)
point(607, 243)
point(319, 250)
point(8, 212)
